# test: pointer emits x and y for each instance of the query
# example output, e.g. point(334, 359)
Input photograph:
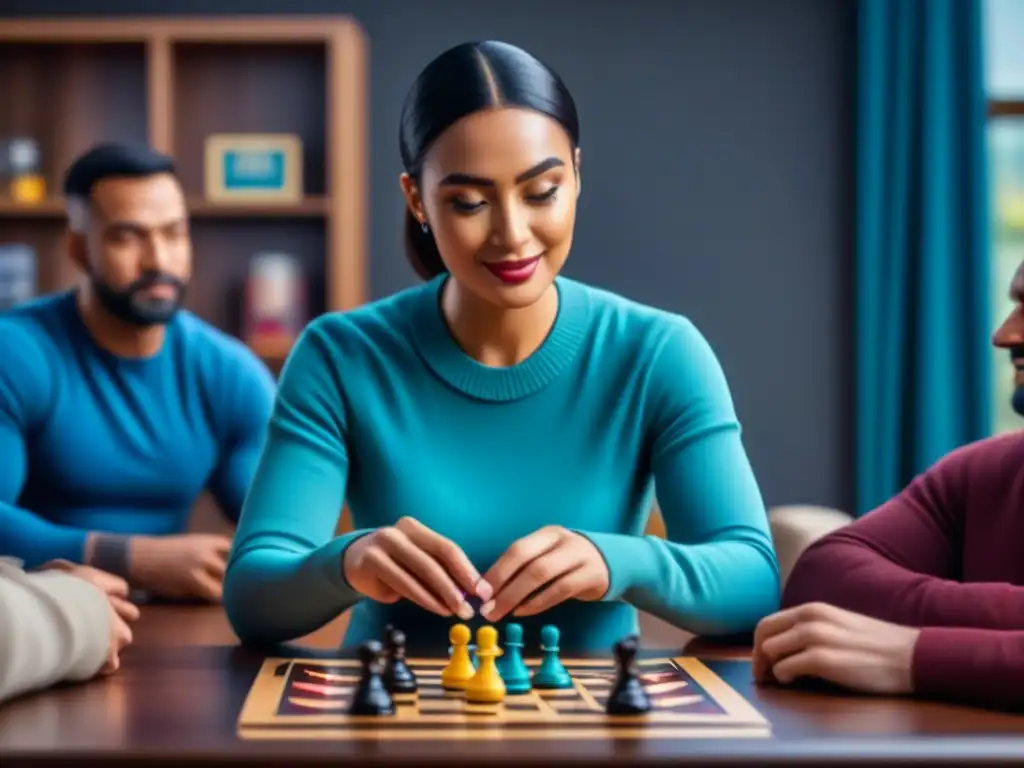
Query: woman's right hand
point(410, 561)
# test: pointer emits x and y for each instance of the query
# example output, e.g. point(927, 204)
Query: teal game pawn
point(513, 669)
point(550, 673)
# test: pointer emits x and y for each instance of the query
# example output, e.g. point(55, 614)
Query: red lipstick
point(513, 272)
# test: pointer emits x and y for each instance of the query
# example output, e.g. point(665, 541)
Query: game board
point(308, 699)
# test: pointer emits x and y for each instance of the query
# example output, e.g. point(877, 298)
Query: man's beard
point(126, 304)
point(1016, 355)
point(1018, 401)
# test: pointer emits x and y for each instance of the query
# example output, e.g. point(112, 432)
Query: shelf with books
point(311, 206)
point(175, 82)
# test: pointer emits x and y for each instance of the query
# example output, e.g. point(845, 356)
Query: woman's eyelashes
point(545, 196)
point(464, 205)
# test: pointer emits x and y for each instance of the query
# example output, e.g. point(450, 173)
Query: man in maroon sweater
point(924, 595)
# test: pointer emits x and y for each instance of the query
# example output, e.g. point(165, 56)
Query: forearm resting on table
point(851, 574)
point(274, 593)
point(53, 627)
point(35, 541)
point(716, 572)
point(983, 667)
point(714, 588)
point(285, 576)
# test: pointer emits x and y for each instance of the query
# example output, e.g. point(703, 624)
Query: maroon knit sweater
point(946, 555)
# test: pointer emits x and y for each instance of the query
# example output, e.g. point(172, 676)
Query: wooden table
point(179, 692)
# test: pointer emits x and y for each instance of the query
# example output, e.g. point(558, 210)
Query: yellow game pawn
point(459, 670)
point(486, 687)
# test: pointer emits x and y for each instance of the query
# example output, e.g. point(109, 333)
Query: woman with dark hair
point(498, 430)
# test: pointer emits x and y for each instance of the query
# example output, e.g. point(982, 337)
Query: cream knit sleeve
point(54, 627)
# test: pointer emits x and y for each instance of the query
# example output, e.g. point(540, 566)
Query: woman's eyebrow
point(465, 180)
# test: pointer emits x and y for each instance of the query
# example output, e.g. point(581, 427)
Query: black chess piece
point(371, 697)
point(398, 677)
point(627, 696)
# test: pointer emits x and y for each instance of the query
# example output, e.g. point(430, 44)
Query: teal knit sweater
point(381, 408)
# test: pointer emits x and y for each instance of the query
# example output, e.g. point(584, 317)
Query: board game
point(308, 699)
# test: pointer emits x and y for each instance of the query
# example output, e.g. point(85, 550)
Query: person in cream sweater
point(61, 623)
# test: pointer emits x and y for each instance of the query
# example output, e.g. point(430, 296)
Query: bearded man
point(117, 406)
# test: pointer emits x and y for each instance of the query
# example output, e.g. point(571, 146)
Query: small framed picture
point(248, 168)
point(275, 304)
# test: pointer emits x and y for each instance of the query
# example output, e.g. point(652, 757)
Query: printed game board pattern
point(308, 699)
point(314, 689)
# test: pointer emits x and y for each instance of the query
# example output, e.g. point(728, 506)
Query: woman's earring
point(424, 227)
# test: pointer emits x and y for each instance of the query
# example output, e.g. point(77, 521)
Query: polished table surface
point(182, 684)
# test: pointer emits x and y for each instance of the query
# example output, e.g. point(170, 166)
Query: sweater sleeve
point(26, 391)
point(54, 627)
point(981, 667)
point(285, 577)
point(900, 562)
point(247, 399)
point(716, 571)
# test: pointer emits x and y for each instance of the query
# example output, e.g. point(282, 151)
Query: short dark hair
point(104, 161)
point(463, 80)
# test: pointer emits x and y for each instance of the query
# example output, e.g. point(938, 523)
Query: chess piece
point(398, 677)
point(460, 668)
point(486, 686)
point(471, 650)
point(371, 697)
point(550, 674)
point(627, 696)
point(511, 667)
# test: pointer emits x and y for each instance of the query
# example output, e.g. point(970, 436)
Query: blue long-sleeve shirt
point(380, 407)
point(93, 442)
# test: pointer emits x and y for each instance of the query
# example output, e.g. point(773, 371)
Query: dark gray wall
point(716, 179)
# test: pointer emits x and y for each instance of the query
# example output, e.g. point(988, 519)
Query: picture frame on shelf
point(276, 305)
point(253, 168)
point(293, 90)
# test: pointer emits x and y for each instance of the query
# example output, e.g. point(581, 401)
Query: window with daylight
point(1004, 30)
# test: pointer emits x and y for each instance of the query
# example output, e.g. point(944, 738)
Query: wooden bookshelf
point(174, 81)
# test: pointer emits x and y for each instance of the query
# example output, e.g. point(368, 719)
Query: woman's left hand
point(541, 570)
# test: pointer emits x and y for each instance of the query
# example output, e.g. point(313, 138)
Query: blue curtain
point(922, 240)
